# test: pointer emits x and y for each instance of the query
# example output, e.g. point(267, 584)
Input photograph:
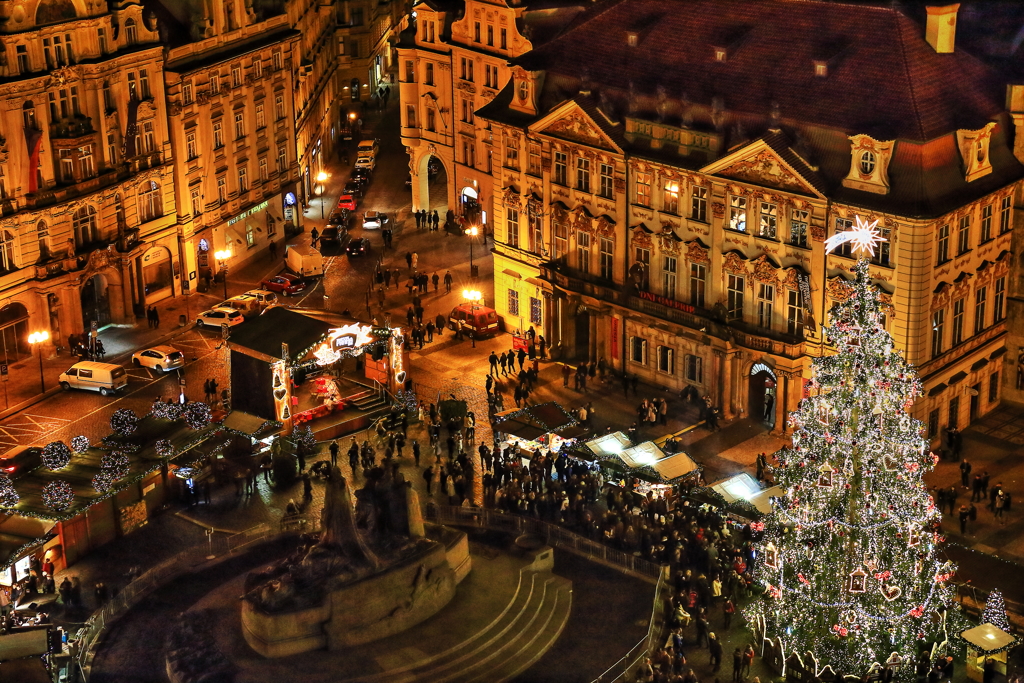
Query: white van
point(105, 378)
point(303, 261)
point(367, 148)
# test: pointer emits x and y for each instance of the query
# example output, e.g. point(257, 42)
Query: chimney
point(1015, 105)
point(940, 31)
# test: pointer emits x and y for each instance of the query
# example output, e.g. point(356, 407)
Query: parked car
point(248, 306)
point(303, 260)
point(363, 173)
point(105, 378)
point(369, 163)
point(265, 298)
point(358, 247)
point(21, 460)
point(338, 217)
point(285, 283)
point(160, 358)
point(368, 147)
point(347, 201)
point(354, 188)
point(481, 319)
point(215, 317)
point(331, 235)
point(373, 220)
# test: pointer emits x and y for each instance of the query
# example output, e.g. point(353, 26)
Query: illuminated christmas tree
point(848, 559)
point(995, 611)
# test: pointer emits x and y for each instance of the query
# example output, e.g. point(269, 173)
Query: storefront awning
point(19, 534)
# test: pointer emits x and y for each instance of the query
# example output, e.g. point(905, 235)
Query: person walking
point(965, 472)
point(408, 259)
point(435, 280)
point(447, 282)
point(314, 237)
point(439, 325)
point(964, 515)
point(415, 260)
point(416, 451)
point(1000, 506)
point(334, 452)
point(748, 661)
point(430, 330)
point(503, 361)
point(714, 652)
point(435, 219)
point(737, 665)
point(493, 361)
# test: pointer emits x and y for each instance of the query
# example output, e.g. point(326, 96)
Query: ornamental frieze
point(641, 238)
point(817, 233)
point(718, 209)
point(764, 271)
point(576, 127)
point(668, 243)
point(697, 254)
point(559, 213)
point(511, 198)
point(734, 263)
point(940, 298)
point(838, 289)
point(465, 87)
point(604, 226)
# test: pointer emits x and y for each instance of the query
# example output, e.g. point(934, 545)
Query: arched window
point(84, 222)
point(122, 222)
point(28, 114)
point(867, 162)
point(131, 32)
point(43, 236)
point(150, 204)
point(7, 252)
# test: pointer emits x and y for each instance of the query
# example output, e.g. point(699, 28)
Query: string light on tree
point(164, 448)
point(56, 455)
point(115, 463)
point(197, 415)
point(80, 444)
point(8, 496)
point(849, 552)
point(58, 495)
point(103, 480)
point(124, 421)
point(995, 611)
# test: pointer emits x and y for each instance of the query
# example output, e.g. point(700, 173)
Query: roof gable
point(759, 163)
point(570, 121)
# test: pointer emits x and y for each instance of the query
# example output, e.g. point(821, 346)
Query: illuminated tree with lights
point(848, 558)
point(995, 611)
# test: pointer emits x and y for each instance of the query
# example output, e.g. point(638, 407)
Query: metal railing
point(554, 535)
point(219, 548)
point(620, 670)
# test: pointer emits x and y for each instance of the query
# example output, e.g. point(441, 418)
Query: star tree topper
point(864, 236)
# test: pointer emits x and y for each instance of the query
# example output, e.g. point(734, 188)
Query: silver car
point(160, 358)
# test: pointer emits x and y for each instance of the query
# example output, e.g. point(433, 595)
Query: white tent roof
point(762, 501)
point(738, 487)
point(609, 444)
point(644, 454)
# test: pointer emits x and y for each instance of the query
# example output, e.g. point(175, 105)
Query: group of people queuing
point(427, 220)
point(83, 346)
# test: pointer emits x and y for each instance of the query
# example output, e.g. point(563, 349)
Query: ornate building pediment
point(734, 263)
point(642, 237)
point(511, 197)
point(697, 253)
point(838, 289)
point(759, 164)
point(559, 212)
point(570, 122)
point(605, 226)
point(765, 271)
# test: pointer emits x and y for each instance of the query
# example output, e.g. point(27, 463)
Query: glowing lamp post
point(222, 257)
point(35, 339)
point(473, 296)
point(321, 178)
point(473, 231)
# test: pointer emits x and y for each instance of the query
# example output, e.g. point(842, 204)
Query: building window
point(86, 163)
point(938, 331)
point(980, 302)
point(1005, 206)
point(999, 300)
point(148, 138)
point(561, 241)
point(150, 203)
point(670, 198)
point(250, 234)
point(197, 202)
point(476, 31)
point(668, 276)
point(504, 39)
point(257, 68)
point(84, 222)
point(410, 116)
point(607, 258)
point(993, 387)
point(512, 223)
point(282, 159)
point(513, 302)
point(607, 185)
point(694, 369)
point(276, 60)
point(222, 189)
point(769, 220)
point(490, 35)
point(942, 251)
point(469, 153)
point(958, 321)
point(261, 119)
point(798, 228)
point(236, 76)
point(43, 239)
point(24, 67)
point(643, 259)
point(214, 83)
point(881, 255)
point(953, 420)
point(583, 252)
point(239, 124)
point(536, 229)
point(698, 282)
point(271, 225)
point(431, 123)
point(67, 167)
point(699, 204)
point(933, 424)
point(844, 249)
point(533, 162)
point(986, 224)
point(511, 153)
point(279, 107)
point(218, 135)
point(666, 360)
point(410, 71)
point(738, 213)
point(867, 163)
point(560, 174)
point(643, 189)
point(131, 32)
point(264, 170)
point(734, 299)
point(638, 350)
point(582, 174)
point(765, 304)
point(535, 311)
point(963, 235)
point(429, 79)
point(794, 313)
point(112, 147)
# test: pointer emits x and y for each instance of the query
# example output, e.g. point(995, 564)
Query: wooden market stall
point(987, 647)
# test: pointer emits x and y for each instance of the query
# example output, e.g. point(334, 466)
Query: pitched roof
point(883, 79)
point(265, 333)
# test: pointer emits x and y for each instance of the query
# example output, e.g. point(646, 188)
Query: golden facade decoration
point(764, 271)
point(838, 289)
point(642, 238)
point(734, 263)
point(695, 253)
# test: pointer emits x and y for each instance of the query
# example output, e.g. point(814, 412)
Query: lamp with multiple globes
point(36, 339)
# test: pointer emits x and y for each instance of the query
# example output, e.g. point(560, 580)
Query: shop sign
point(665, 301)
point(245, 214)
point(805, 293)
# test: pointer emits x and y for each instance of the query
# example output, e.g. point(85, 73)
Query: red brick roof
point(883, 79)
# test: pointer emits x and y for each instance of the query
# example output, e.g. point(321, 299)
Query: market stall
point(652, 468)
point(987, 649)
point(545, 426)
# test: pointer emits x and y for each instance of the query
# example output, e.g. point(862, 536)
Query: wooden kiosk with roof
point(987, 646)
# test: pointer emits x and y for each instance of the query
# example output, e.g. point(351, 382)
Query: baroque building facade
point(666, 208)
point(234, 140)
point(86, 188)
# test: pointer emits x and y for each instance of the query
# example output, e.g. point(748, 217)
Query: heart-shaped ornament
point(400, 377)
point(279, 394)
point(891, 592)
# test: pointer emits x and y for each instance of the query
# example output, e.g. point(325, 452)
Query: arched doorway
point(762, 394)
point(14, 332)
point(95, 302)
point(469, 200)
point(437, 186)
point(157, 275)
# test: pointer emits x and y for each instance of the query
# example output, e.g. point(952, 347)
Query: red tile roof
point(883, 79)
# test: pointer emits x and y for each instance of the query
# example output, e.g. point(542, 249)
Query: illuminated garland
point(164, 448)
point(166, 411)
point(848, 559)
point(103, 480)
point(80, 444)
point(124, 421)
point(56, 455)
point(58, 495)
point(116, 463)
point(197, 415)
point(995, 611)
point(8, 496)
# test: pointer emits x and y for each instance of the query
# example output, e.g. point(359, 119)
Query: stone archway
point(762, 394)
point(101, 298)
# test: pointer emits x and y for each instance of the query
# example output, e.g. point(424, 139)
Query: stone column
point(729, 391)
point(781, 396)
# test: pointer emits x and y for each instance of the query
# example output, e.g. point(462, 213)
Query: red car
point(285, 283)
point(347, 201)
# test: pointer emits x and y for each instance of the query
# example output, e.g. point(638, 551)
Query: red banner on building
point(34, 140)
point(615, 338)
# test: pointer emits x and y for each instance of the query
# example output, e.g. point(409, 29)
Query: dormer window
point(524, 90)
point(974, 150)
point(632, 39)
point(867, 162)
point(820, 69)
point(720, 54)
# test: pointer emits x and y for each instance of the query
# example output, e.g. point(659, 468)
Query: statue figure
point(339, 528)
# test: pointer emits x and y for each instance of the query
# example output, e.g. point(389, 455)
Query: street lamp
point(473, 231)
point(473, 296)
point(222, 257)
point(321, 178)
point(34, 339)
